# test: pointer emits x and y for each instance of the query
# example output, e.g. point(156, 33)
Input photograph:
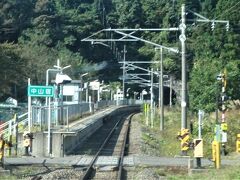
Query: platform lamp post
point(81, 86)
point(47, 79)
point(60, 78)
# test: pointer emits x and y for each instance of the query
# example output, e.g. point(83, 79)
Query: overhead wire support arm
point(139, 78)
point(92, 39)
point(137, 67)
point(126, 35)
point(131, 37)
point(94, 34)
point(138, 74)
point(146, 41)
point(213, 21)
point(198, 15)
point(204, 19)
point(108, 40)
point(140, 62)
point(144, 29)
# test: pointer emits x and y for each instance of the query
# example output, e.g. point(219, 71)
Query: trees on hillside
point(45, 30)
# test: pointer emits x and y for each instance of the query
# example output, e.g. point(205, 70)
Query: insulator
point(213, 25)
point(227, 26)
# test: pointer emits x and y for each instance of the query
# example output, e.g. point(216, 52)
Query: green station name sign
point(41, 91)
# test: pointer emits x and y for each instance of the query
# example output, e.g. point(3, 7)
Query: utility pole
point(151, 97)
point(184, 80)
point(124, 66)
point(170, 93)
point(161, 92)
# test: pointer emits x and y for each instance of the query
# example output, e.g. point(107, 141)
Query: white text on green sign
point(40, 91)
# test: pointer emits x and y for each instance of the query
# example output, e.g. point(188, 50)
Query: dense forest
point(35, 33)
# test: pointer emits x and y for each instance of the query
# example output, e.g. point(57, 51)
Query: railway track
point(114, 144)
point(108, 141)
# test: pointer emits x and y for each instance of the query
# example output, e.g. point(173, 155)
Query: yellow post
point(2, 144)
point(184, 137)
point(8, 146)
point(238, 143)
point(147, 109)
point(216, 154)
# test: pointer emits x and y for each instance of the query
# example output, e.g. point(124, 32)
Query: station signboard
point(41, 91)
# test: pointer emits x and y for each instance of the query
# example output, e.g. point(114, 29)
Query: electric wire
point(215, 17)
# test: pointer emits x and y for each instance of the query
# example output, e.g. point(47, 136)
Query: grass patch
point(162, 143)
point(165, 143)
point(225, 173)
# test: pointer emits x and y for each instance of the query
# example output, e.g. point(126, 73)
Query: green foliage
point(203, 85)
point(12, 65)
point(45, 30)
point(162, 143)
point(114, 86)
point(224, 173)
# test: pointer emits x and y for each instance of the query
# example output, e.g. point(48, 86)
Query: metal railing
point(60, 116)
point(9, 127)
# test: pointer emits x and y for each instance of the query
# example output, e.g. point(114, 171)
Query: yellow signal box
point(198, 148)
point(224, 126)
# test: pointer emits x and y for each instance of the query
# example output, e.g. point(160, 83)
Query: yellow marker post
point(27, 141)
point(2, 144)
point(8, 146)
point(147, 109)
point(238, 143)
point(216, 154)
point(184, 137)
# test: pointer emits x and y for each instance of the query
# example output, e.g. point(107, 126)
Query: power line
point(228, 9)
point(216, 17)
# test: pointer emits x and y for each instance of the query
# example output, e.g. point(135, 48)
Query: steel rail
point(127, 126)
point(87, 173)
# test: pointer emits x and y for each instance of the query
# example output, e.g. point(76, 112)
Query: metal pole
point(200, 117)
point(47, 79)
point(80, 92)
point(98, 94)
point(161, 92)
point(170, 93)
point(87, 93)
point(29, 108)
point(90, 104)
point(61, 105)
point(184, 81)
point(49, 126)
point(152, 98)
point(124, 65)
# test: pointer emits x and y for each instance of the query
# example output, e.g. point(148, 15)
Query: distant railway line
point(109, 141)
point(113, 138)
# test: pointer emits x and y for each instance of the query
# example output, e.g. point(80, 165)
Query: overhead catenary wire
point(197, 26)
